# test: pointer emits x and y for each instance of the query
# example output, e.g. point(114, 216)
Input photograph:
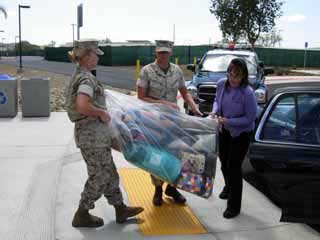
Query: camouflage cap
point(164, 46)
point(88, 44)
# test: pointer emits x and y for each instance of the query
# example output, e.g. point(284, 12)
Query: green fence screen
point(127, 55)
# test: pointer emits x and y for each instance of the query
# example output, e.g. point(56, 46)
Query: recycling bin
point(8, 96)
point(35, 97)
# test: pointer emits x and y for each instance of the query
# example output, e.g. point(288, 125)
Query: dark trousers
point(232, 151)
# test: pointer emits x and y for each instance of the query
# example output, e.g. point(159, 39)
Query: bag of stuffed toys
point(177, 148)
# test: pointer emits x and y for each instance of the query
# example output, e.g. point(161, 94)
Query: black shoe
point(173, 192)
point(157, 197)
point(230, 213)
point(224, 194)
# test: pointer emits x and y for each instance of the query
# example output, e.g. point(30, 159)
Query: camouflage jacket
point(161, 85)
point(89, 131)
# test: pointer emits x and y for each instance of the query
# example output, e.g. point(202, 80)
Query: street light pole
point(3, 48)
point(20, 45)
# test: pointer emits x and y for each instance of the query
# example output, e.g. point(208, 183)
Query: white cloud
point(293, 18)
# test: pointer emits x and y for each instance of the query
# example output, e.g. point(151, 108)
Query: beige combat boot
point(82, 218)
point(123, 212)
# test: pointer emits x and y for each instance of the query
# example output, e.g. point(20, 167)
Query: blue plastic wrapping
point(178, 148)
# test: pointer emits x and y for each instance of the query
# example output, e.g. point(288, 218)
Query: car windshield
point(220, 62)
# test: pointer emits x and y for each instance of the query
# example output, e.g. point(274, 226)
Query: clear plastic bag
point(178, 148)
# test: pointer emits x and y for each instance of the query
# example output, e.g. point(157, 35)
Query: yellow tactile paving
point(169, 219)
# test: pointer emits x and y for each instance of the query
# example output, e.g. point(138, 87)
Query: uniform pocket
point(156, 84)
point(93, 134)
point(173, 84)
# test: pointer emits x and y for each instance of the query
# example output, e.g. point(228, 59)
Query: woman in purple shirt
point(235, 109)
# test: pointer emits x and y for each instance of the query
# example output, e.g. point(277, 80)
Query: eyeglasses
point(235, 72)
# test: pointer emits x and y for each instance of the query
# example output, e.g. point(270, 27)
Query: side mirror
point(198, 60)
point(268, 71)
point(191, 67)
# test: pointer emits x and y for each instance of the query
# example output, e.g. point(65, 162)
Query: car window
point(281, 123)
point(309, 118)
point(220, 62)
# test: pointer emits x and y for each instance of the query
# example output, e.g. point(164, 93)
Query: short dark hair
point(241, 65)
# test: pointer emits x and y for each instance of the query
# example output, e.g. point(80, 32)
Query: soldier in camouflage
point(86, 107)
point(159, 82)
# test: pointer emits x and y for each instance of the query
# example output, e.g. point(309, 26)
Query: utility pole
point(73, 25)
point(305, 55)
point(174, 33)
point(79, 19)
point(15, 45)
point(1, 49)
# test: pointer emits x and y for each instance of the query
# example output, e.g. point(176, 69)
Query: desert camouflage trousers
point(103, 178)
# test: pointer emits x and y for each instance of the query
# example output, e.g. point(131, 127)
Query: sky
point(188, 22)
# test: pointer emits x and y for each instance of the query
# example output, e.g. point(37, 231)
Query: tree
point(104, 41)
point(247, 18)
point(229, 16)
point(52, 44)
point(108, 40)
point(3, 10)
point(270, 39)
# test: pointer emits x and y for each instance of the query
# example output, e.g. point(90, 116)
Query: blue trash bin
point(8, 96)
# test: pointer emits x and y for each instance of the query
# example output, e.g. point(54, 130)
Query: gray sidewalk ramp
point(30, 150)
point(259, 218)
point(36, 220)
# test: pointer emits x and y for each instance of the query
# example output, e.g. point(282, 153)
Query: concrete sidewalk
point(30, 153)
point(308, 71)
point(43, 174)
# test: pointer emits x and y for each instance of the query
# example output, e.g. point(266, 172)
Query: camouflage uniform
point(92, 136)
point(161, 85)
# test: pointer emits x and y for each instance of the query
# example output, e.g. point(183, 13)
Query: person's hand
point(196, 111)
point(213, 115)
point(222, 120)
point(105, 117)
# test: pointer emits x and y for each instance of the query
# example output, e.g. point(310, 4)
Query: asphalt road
point(119, 77)
point(124, 77)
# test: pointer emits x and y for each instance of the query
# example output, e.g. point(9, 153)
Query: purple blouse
point(238, 105)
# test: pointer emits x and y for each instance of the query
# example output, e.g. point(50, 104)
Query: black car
point(283, 160)
point(213, 67)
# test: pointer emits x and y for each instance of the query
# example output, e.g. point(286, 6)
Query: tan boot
point(82, 218)
point(123, 212)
